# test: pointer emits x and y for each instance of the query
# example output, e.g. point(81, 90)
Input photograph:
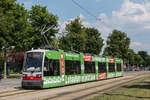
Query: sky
point(129, 16)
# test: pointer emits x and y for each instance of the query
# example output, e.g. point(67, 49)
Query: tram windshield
point(33, 62)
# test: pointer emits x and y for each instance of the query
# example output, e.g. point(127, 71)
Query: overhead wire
point(88, 12)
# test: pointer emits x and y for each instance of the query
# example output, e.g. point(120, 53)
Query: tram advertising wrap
point(53, 68)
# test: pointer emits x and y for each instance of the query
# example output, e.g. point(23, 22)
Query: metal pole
point(5, 64)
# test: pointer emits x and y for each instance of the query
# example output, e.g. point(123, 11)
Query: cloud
point(81, 16)
point(140, 45)
point(63, 24)
point(136, 44)
point(129, 17)
point(147, 27)
point(132, 18)
point(28, 3)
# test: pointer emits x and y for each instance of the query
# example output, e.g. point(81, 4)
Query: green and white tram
point(52, 68)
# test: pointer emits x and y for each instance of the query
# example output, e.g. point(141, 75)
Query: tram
point(53, 68)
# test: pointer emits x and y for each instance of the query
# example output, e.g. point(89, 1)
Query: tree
point(20, 30)
point(7, 21)
point(145, 57)
point(94, 41)
point(1, 63)
point(117, 45)
point(138, 60)
point(1, 43)
point(13, 18)
point(131, 57)
point(13, 26)
point(38, 19)
point(64, 43)
point(75, 38)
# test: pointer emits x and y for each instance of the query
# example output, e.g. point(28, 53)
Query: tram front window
point(33, 62)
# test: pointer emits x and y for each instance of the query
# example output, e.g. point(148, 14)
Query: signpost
point(5, 64)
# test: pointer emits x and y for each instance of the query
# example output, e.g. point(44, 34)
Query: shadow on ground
point(139, 97)
point(143, 85)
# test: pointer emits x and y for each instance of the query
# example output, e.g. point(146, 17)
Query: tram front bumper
point(32, 83)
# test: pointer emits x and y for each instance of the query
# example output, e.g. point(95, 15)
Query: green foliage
point(117, 45)
point(94, 41)
point(79, 38)
point(76, 38)
point(12, 72)
point(13, 26)
point(145, 57)
point(131, 57)
point(22, 28)
point(138, 60)
point(7, 21)
point(38, 18)
point(1, 63)
point(134, 59)
point(134, 90)
point(1, 42)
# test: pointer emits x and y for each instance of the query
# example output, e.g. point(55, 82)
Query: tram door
point(52, 75)
point(101, 70)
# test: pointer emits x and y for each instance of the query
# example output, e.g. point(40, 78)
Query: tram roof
point(44, 50)
point(38, 50)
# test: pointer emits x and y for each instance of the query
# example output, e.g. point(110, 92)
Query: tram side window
point(51, 67)
point(72, 67)
point(101, 67)
point(89, 67)
point(118, 67)
point(111, 67)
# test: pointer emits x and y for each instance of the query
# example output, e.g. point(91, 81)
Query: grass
point(136, 90)
point(12, 72)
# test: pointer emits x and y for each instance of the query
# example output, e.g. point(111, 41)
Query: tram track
point(17, 92)
point(105, 89)
point(76, 91)
point(8, 91)
point(22, 92)
point(77, 94)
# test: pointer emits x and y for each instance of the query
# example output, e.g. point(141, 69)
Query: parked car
point(137, 69)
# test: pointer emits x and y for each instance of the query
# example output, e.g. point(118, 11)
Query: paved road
point(72, 92)
point(10, 84)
